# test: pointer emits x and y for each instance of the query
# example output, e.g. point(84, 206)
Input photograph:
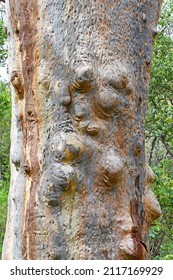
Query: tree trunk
point(80, 186)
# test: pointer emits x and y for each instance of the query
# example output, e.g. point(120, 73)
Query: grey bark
point(80, 186)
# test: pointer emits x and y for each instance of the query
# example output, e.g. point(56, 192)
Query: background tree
point(80, 187)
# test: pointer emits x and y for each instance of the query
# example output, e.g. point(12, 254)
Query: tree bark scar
point(27, 15)
point(137, 229)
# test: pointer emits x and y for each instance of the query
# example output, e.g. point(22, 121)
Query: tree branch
point(166, 145)
point(152, 149)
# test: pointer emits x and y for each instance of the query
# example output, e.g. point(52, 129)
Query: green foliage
point(159, 134)
point(5, 116)
point(3, 51)
point(161, 234)
point(159, 125)
point(3, 211)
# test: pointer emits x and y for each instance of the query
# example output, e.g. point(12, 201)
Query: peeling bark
point(80, 187)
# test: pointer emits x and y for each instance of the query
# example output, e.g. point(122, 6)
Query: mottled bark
point(80, 186)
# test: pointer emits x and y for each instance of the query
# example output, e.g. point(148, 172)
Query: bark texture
point(80, 186)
